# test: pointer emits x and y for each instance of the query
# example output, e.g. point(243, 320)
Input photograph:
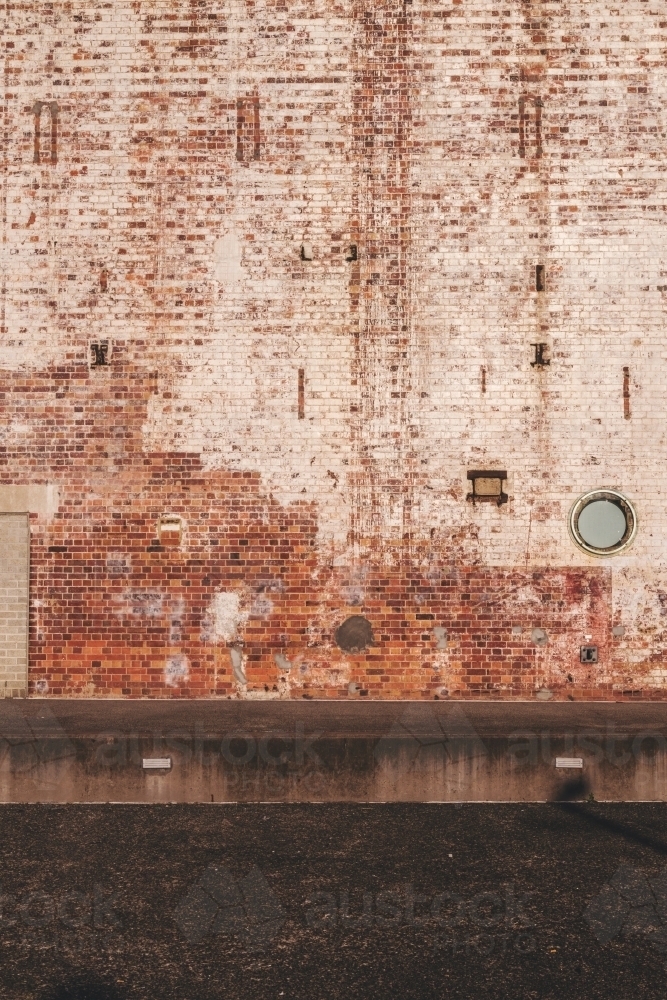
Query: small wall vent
point(156, 763)
point(301, 394)
point(570, 762)
point(487, 484)
point(170, 530)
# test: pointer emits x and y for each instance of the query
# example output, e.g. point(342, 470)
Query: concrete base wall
point(235, 752)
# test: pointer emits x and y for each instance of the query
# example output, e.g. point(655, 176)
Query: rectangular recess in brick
point(530, 127)
point(170, 530)
point(487, 484)
point(37, 110)
point(539, 277)
point(626, 393)
point(302, 393)
point(247, 128)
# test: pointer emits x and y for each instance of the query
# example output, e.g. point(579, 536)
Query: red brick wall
point(312, 421)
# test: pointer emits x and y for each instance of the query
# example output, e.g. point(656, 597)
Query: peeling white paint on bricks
point(177, 670)
point(119, 564)
point(228, 253)
point(142, 603)
point(245, 414)
point(568, 420)
point(394, 413)
point(225, 618)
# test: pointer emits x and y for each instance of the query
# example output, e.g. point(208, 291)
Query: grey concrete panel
point(14, 604)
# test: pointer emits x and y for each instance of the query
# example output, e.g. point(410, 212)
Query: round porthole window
point(603, 522)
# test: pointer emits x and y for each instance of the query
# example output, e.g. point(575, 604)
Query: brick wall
point(302, 239)
point(14, 572)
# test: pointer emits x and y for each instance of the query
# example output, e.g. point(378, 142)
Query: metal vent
point(156, 763)
point(569, 762)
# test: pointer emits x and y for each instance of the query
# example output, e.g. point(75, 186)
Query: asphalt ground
point(333, 901)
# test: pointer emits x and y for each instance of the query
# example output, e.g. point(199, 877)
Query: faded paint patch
point(282, 662)
point(238, 664)
point(176, 621)
point(119, 564)
point(142, 603)
point(224, 618)
point(311, 675)
point(177, 670)
point(228, 253)
point(354, 594)
point(441, 635)
point(262, 607)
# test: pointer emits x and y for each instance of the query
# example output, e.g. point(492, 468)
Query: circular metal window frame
point(613, 496)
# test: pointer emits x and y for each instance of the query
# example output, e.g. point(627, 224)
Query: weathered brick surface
point(14, 572)
point(311, 421)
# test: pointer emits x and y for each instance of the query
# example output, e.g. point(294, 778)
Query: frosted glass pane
point(602, 524)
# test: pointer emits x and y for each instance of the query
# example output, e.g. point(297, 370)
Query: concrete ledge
point(228, 751)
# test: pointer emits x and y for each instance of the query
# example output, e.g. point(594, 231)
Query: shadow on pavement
point(612, 826)
point(84, 989)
